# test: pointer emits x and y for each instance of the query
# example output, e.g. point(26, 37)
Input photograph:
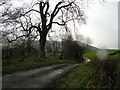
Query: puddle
point(58, 71)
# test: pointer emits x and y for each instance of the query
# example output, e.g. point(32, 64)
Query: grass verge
point(78, 78)
point(30, 64)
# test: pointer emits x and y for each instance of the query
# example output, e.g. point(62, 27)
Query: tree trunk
point(42, 43)
point(29, 45)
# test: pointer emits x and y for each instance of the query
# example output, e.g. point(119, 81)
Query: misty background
point(102, 25)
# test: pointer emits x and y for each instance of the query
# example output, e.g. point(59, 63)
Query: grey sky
point(102, 25)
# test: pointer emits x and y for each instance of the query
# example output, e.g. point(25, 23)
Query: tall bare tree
point(38, 17)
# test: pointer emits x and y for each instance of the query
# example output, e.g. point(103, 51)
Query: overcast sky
point(102, 24)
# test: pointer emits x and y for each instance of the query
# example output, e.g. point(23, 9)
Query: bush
point(16, 53)
point(105, 73)
point(72, 50)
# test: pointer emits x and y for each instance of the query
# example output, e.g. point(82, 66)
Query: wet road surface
point(37, 78)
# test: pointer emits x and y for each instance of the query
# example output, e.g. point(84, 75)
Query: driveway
point(37, 78)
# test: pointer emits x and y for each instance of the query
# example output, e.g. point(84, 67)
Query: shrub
point(16, 53)
point(105, 72)
point(72, 50)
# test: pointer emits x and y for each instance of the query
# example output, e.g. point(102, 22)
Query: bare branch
point(62, 7)
point(55, 12)
point(61, 24)
point(30, 11)
point(46, 12)
point(10, 41)
point(56, 7)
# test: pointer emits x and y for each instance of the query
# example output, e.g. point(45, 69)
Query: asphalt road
point(37, 78)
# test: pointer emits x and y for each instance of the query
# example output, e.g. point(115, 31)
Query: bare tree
point(54, 45)
point(22, 19)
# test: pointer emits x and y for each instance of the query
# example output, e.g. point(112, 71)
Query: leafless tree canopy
point(36, 19)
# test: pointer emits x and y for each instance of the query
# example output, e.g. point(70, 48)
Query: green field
point(90, 54)
point(93, 53)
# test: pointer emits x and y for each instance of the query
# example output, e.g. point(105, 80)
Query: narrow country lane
point(37, 78)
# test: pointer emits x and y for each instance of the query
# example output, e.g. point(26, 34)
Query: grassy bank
point(30, 63)
point(78, 78)
point(96, 74)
